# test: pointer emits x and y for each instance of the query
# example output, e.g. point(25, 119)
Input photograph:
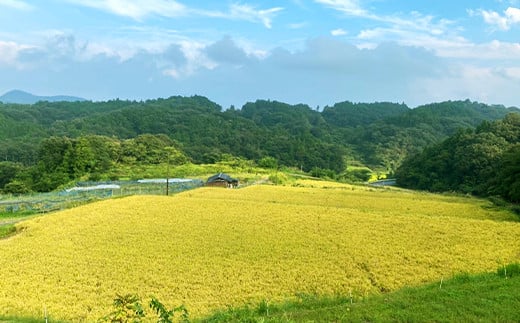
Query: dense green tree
point(16, 187)
point(348, 114)
point(483, 161)
point(8, 172)
point(52, 153)
point(152, 149)
point(268, 162)
point(507, 181)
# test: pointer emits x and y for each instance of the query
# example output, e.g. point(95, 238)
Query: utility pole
point(168, 153)
point(168, 174)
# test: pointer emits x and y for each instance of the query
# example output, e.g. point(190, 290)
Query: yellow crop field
point(210, 248)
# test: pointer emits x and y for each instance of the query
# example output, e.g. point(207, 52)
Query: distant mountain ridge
point(22, 97)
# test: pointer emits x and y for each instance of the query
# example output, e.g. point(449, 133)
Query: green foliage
point(152, 149)
point(482, 162)
point(129, 309)
point(7, 230)
point(389, 141)
point(8, 172)
point(278, 178)
point(16, 187)
point(165, 315)
point(268, 162)
point(63, 159)
point(323, 173)
point(18, 319)
point(507, 181)
point(348, 114)
point(357, 175)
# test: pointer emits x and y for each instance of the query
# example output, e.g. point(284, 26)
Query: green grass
point(8, 220)
point(16, 215)
point(19, 320)
point(486, 297)
point(13, 319)
point(7, 230)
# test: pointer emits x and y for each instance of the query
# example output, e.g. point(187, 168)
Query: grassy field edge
point(464, 298)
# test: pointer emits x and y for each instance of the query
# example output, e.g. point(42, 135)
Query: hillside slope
point(379, 135)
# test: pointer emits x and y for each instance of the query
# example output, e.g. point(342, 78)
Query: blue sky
point(317, 52)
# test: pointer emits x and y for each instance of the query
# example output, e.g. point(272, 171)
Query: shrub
point(128, 308)
point(16, 187)
point(278, 178)
point(268, 162)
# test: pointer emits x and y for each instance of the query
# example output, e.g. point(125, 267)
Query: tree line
point(52, 142)
point(484, 161)
point(63, 159)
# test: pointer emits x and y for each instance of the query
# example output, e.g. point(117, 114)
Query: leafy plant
point(128, 309)
point(165, 315)
point(278, 178)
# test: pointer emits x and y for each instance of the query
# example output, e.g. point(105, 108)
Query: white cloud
point(415, 29)
point(442, 46)
point(195, 57)
point(349, 7)
point(9, 52)
point(141, 9)
point(503, 22)
point(298, 25)
point(414, 21)
point(513, 14)
point(495, 19)
point(467, 81)
point(338, 32)
point(513, 72)
point(453, 46)
point(136, 9)
point(247, 12)
point(496, 50)
point(16, 4)
point(413, 64)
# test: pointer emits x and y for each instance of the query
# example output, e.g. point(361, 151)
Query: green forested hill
point(379, 135)
point(388, 141)
point(483, 161)
point(350, 115)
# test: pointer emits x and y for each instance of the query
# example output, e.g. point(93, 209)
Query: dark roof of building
point(222, 177)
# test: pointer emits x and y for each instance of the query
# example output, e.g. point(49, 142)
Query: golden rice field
point(210, 248)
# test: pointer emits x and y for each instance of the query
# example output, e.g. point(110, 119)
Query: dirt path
point(8, 222)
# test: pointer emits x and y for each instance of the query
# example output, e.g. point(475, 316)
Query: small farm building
point(222, 180)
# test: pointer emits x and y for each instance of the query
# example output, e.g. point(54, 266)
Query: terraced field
point(210, 248)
